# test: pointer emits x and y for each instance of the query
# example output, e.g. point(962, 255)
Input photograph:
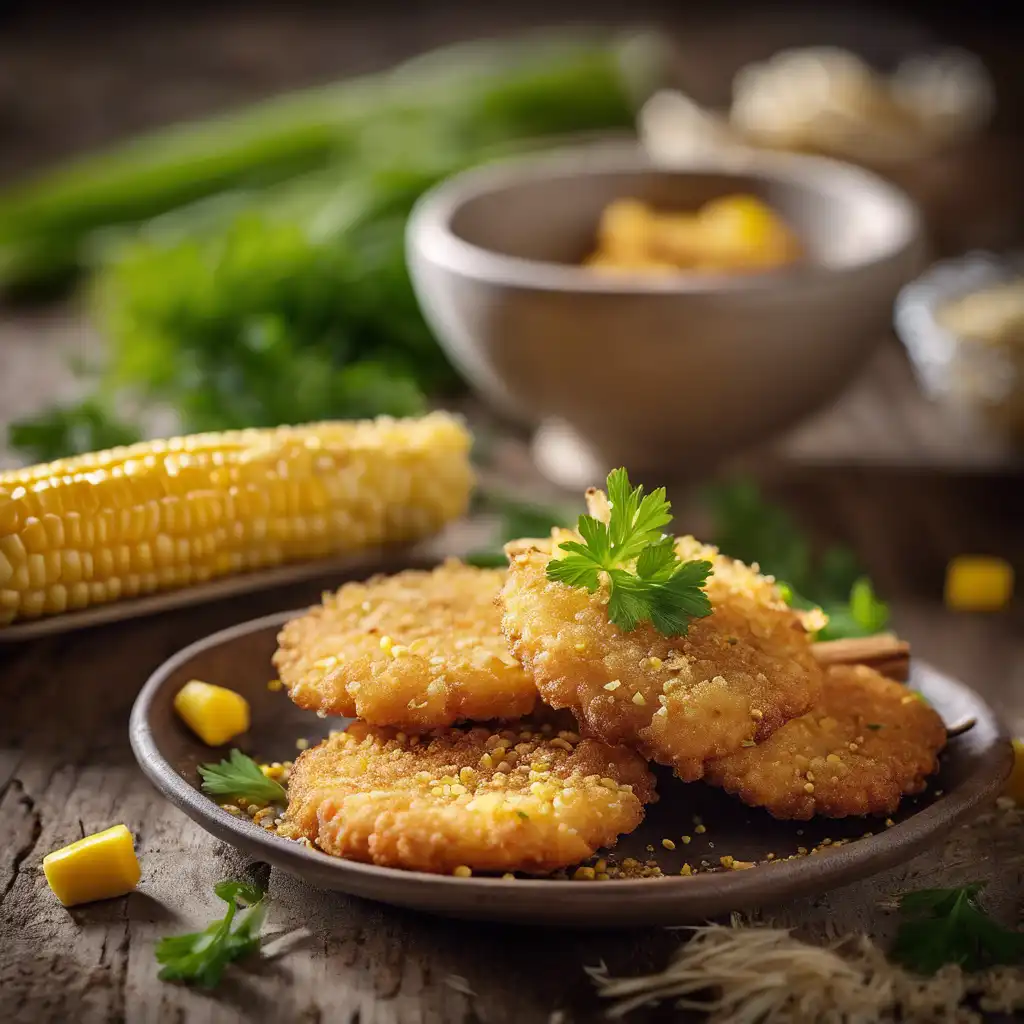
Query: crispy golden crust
point(509, 800)
point(417, 651)
point(736, 676)
point(868, 742)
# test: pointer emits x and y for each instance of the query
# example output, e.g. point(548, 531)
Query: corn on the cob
point(163, 514)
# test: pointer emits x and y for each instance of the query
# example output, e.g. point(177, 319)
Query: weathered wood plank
point(66, 705)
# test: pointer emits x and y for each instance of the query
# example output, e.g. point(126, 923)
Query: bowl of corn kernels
point(639, 315)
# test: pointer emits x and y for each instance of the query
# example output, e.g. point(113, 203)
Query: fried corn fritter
point(737, 675)
point(525, 798)
point(417, 650)
point(867, 743)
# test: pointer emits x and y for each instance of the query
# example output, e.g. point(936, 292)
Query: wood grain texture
point(66, 770)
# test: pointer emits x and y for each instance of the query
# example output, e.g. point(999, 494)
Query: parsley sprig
point(240, 777)
point(199, 958)
point(949, 926)
point(647, 582)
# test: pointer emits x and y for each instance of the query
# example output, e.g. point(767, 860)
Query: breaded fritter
point(737, 675)
point(525, 798)
point(868, 742)
point(417, 650)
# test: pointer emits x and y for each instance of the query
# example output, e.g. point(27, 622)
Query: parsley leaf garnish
point(647, 582)
point(240, 776)
point(948, 926)
point(199, 958)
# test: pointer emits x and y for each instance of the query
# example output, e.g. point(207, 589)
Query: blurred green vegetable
point(480, 93)
point(862, 614)
point(84, 427)
point(753, 530)
point(516, 519)
point(283, 301)
point(270, 319)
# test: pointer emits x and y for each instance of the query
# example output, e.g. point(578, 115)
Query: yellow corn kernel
point(1014, 788)
point(166, 514)
point(978, 583)
point(214, 713)
point(97, 867)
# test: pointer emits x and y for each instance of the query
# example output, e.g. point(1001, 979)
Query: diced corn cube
point(1015, 783)
point(214, 713)
point(978, 583)
point(98, 867)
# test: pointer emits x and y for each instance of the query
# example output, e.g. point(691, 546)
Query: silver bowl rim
point(935, 351)
point(918, 302)
point(430, 235)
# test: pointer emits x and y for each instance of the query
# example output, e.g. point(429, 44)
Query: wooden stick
point(884, 653)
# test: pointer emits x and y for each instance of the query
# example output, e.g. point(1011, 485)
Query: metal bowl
point(644, 370)
point(981, 385)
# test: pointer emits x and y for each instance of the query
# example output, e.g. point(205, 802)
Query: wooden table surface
point(66, 770)
point(876, 471)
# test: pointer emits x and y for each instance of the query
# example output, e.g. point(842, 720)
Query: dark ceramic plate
point(973, 770)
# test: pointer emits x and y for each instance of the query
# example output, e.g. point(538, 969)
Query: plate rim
point(632, 900)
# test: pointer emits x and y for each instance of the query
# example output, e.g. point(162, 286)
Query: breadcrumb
point(417, 650)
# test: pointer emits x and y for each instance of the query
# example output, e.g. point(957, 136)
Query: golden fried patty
point(417, 650)
point(526, 798)
point(735, 677)
point(867, 742)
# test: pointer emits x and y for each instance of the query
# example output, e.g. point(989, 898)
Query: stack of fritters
point(420, 652)
point(739, 701)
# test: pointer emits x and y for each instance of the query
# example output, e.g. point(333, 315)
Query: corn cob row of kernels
point(163, 514)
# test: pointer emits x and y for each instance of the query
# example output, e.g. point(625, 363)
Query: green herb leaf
point(948, 926)
point(870, 614)
point(862, 615)
point(240, 776)
point(200, 957)
point(576, 571)
point(646, 580)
